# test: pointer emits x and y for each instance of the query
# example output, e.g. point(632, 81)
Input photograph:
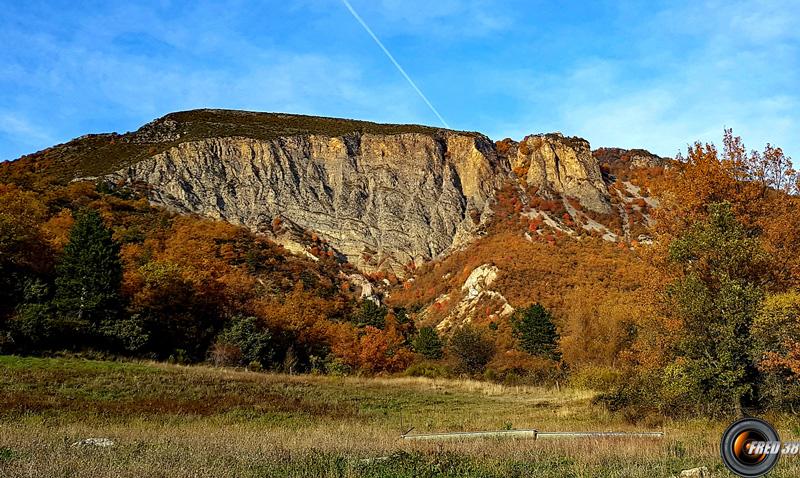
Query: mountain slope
point(380, 196)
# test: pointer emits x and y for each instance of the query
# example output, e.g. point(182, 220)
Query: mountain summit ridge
point(384, 196)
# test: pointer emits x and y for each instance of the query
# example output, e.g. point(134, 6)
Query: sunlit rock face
point(382, 201)
point(563, 165)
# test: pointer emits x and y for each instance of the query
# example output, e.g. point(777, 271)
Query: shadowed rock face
point(381, 200)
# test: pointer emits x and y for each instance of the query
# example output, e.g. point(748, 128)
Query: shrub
point(337, 368)
point(601, 379)
point(472, 348)
point(250, 337)
point(126, 333)
point(641, 395)
point(224, 354)
point(503, 146)
point(428, 370)
point(515, 367)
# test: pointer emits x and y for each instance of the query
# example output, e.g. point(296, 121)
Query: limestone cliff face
point(564, 166)
point(382, 200)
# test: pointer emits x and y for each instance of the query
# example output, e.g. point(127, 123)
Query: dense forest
point(704, 320)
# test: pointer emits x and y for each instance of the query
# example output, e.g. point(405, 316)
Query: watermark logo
point(751, 447)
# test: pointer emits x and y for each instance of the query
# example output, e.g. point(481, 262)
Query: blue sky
point(646, 74)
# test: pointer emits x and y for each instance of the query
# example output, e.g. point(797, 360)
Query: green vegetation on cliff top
point(98, 154)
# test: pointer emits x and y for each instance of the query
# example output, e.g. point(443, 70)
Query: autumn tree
point(776, 349)
point(472, 348)
point(598, 327)
point(716, 298)
point(761, 188)
point(166, 302)
point(383, 351)
point(24, 255)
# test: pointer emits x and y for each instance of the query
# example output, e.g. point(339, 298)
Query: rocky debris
point(162, 130)
point(476, 292)
point(98, 442)
point(701, 472)
point(407, 197)
point(616, 158)
point(564, 166)
point(364, 288)
point(644, 159)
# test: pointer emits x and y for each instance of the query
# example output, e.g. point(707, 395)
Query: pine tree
point(89, 276)
point(371, 314)
point(533, 327)
point(428, 344)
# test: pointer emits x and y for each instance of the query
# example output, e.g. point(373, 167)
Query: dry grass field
point(174, 421)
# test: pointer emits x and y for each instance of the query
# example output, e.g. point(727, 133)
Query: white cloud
point(16, 126)
point(87, 75)
point(692, 70)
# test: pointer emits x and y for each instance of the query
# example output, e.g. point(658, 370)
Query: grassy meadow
point(176, 421)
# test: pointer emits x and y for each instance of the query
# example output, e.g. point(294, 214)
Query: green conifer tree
point(88, 278)
point(428, 344)
point(534, 328)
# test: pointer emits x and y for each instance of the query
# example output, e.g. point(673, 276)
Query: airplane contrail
point(396, 64)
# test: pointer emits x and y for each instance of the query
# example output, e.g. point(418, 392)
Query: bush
point(636, 396)
point(337, 368)
point(250, 337)
point(601, 379)
point(125, 334)
point(428, 370)
point(516, 367)
point(224, 354)
point(428, 344)
point(471, 348)
point(35, 329)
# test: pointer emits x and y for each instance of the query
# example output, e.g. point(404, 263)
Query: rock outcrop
point(615, 159)
point(382, 200)
point(477, 293)
point(564, 166)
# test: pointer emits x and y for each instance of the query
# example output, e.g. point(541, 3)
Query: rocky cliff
point(381, 200)
point(563, 166)
point(381, 195)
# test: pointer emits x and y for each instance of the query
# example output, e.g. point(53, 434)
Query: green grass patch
point(170, 420)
